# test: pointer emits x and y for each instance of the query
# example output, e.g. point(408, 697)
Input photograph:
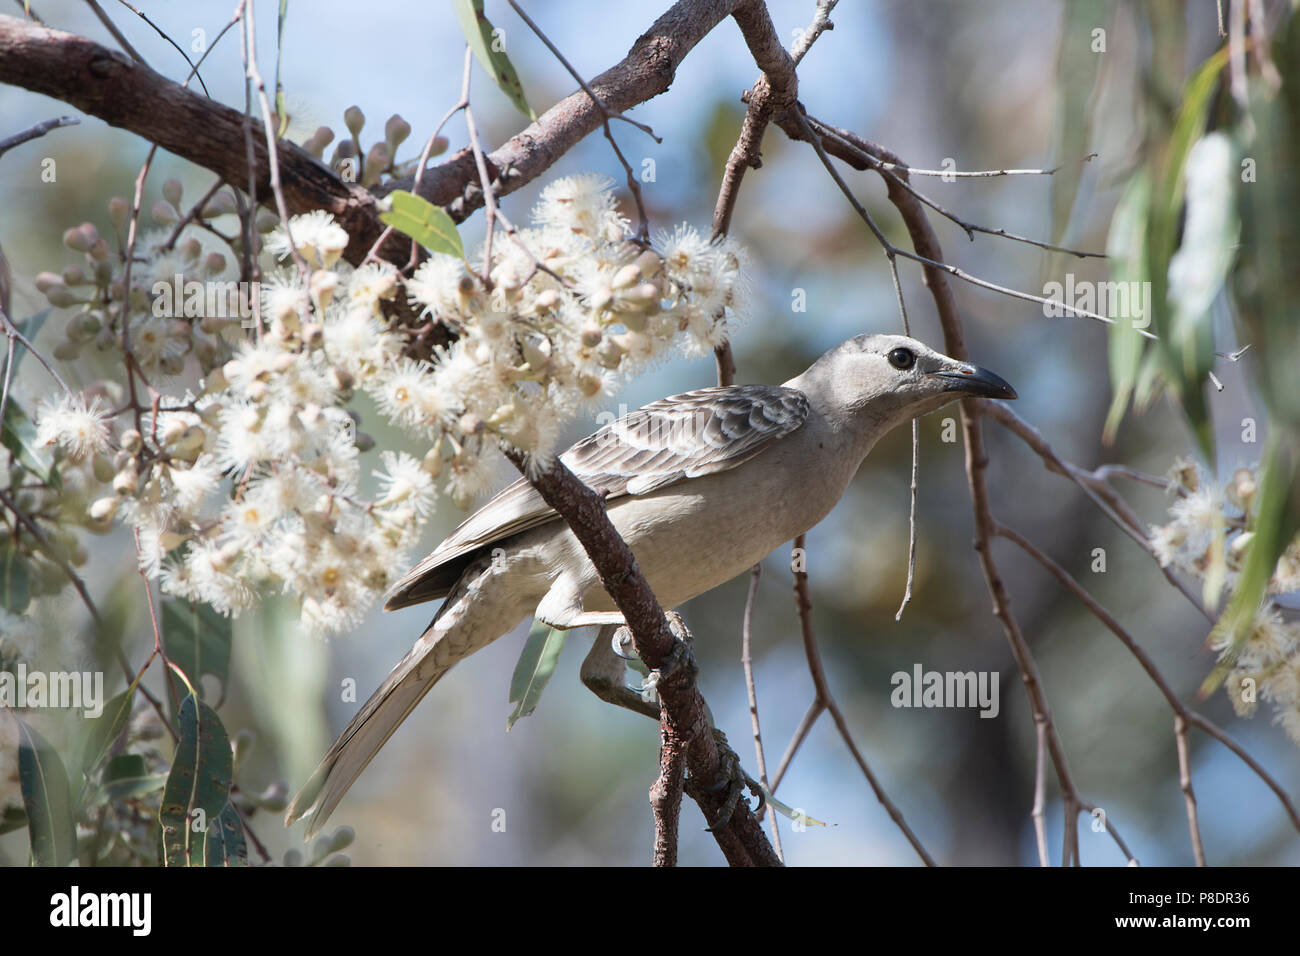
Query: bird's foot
point(733, 780)
point(680, 658)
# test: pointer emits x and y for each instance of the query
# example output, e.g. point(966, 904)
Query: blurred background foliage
point(1006, 84)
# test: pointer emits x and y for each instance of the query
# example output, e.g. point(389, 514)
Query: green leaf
point(534, 669)
point(126, 776)
point(489, 51)
point(225, 844)
point(1125, 251)
point(46, 799)
point(105, 729)
point(427, 224)
point(199, 780)
point(197, 640)
point(15, 583)
point(1187, 350)
point(1077, 66)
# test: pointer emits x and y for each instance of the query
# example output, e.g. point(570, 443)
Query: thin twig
point(1179, 708)
point(747, 663)
point(643, 221)
point(1185, 782)
point(40, 129)
point(804, 605)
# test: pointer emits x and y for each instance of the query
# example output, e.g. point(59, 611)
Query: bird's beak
point(973, 380)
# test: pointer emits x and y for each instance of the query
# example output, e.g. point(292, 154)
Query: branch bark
point(107, 84)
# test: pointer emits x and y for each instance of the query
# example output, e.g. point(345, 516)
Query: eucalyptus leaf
point(199, 780)
point(534, 669)
point(196, 639)
point(427, 224)
point(105, 729)
point(490, 52)
point(46, 798)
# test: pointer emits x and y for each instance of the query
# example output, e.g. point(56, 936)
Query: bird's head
point(890, 379)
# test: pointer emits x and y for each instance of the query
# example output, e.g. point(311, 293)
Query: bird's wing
point(684, 436)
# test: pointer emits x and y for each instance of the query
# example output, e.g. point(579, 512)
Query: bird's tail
point(471, 618)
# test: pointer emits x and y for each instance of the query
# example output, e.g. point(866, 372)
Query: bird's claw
point(734, 781)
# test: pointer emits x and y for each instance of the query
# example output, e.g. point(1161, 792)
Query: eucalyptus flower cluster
point(236, 458)
point(1210, 529)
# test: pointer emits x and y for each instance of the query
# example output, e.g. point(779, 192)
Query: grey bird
point(702, 486)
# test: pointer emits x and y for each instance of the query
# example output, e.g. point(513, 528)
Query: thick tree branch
point(107, 84)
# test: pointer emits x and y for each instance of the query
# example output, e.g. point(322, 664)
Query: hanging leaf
point(46, 799)
point(1186, 349)
point(534, 669)
point(105, 729)
point(126, 776)
point(198, 785)
point(197, 640)
point(225, 844)
point(1125, 251)
point(1077, 65)
point(489, 49)
point(427, 224)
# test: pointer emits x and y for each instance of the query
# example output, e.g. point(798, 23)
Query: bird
point(702, 486)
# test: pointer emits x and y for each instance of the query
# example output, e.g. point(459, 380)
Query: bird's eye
point(902, 358)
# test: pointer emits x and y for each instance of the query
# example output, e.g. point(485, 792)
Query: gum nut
point(317, 141)
point(364, 441)
point(103, 272)
point(354, 119)
point(590, 385)
point(162, 212)
point(346, 149)
point(214, 262)
point(222, 204)
point(67, 350)
point(635, 321)
point(131, 441)
point(343, 379)
point(266, 221)
point(73, 275)
point(547, 300)
point(313, 334)
point(190, 248)
point(171, 191)
point(440, 144)
point(592, 335)
point(601, 299)
point(99, 251)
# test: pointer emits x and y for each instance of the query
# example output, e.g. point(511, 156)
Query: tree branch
point(683, 712)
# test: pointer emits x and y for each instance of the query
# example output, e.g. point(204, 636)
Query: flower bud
point(354, 119)
point(126, 482)
point(104, 508)
point(396, 130)
point(163, 213)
